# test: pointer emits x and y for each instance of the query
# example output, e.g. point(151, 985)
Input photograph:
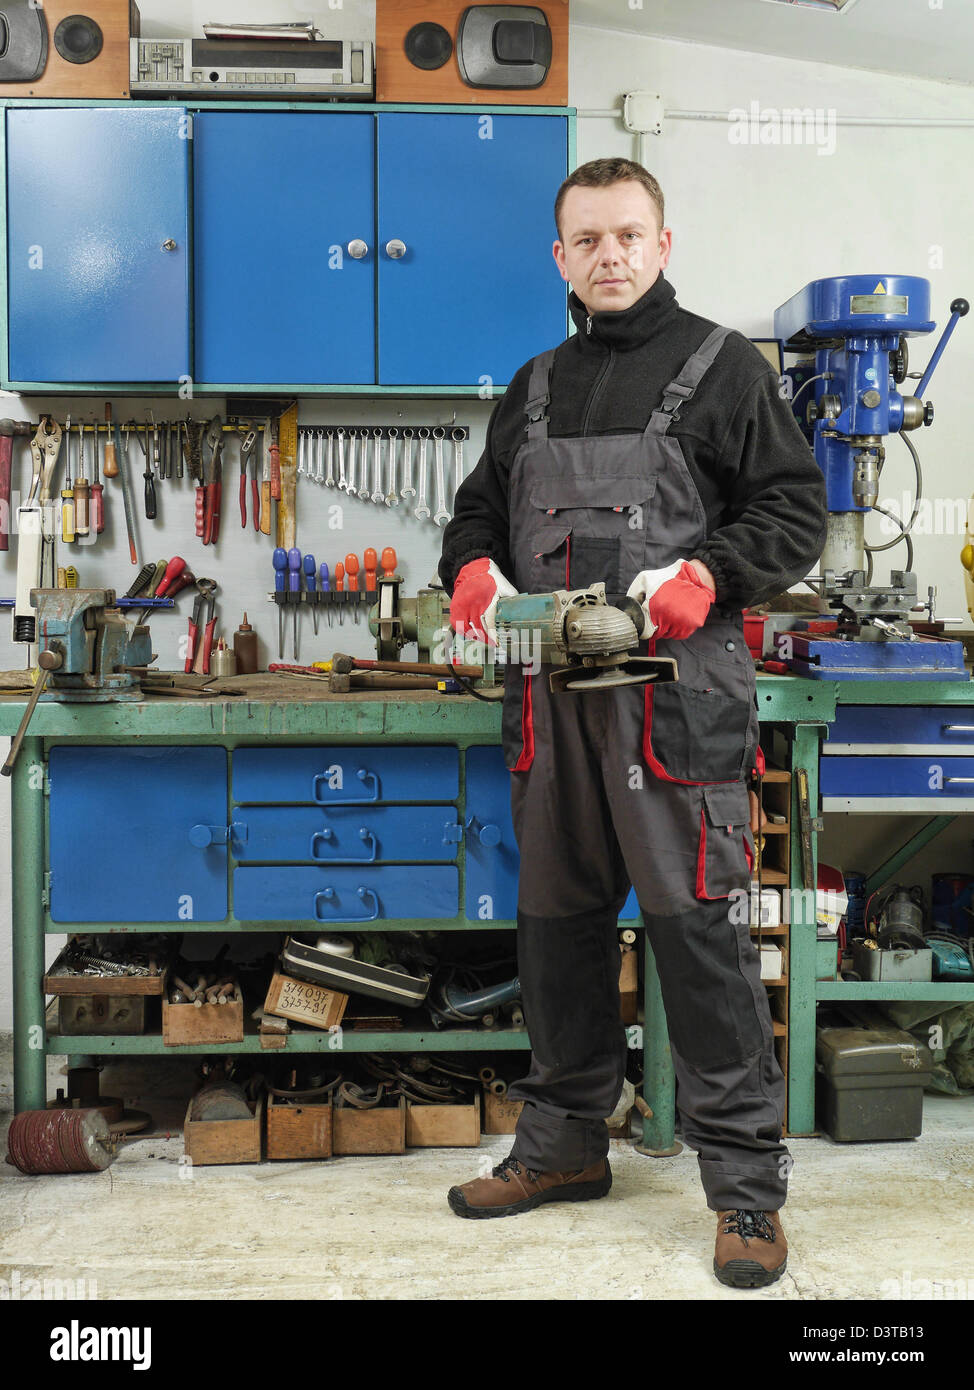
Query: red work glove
point(676, 600)
point(478, 587)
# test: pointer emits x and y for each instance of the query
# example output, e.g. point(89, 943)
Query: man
point(651, 451)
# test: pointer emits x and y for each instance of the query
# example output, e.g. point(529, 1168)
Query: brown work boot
point(512, 1188)
point(751, 1249)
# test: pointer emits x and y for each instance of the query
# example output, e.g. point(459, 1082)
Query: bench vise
point(87, 650)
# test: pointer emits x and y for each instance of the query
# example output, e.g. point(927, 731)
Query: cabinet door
point(278, 198)
point(492, 859)
point(135, 834)
point(477, 292)
point(94, 198)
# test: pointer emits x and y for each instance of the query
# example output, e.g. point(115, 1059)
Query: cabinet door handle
point(395, 249)
point(202, 836)
point(329, 893)
point(168, 244)
point(364, 834)
point(958, 728)
point(488, 835)
point(363, 774)
point(358, 249)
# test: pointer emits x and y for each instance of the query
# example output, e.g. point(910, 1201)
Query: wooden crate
point(443, 1126)
point(185, 1024)
point(500, 1114)
point(101, 1014)
point(298, 1131)
point(55, 983)
point(223, 1141)
point(303, 1002)
point(381, 1130)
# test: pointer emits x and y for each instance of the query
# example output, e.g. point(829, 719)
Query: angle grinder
point(589, 641)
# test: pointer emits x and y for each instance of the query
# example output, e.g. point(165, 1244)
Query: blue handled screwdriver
point(294, 587)
point(325, 587)
point(280, 569)
point(309, 580)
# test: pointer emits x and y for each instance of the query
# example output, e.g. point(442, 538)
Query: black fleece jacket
point(762, 491)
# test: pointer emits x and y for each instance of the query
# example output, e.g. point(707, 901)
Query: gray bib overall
point(638, 786)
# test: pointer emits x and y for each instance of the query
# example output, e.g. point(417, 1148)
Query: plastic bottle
point(245, 647)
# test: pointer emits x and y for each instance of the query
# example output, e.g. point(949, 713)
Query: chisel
point(121, 458)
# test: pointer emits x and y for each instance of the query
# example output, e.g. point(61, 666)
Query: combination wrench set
point(368, 461)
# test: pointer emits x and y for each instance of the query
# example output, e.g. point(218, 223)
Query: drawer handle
point(488, 835)
point(364, 834)
point(329, 893)
point(958, 728)
point(958, 779)
point(363, 774)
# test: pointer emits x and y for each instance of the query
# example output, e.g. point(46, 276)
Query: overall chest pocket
point(584, 531)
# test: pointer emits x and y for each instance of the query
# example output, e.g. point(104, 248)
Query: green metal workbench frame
point(802, 707)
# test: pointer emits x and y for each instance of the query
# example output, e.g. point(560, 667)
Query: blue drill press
point(858, 327)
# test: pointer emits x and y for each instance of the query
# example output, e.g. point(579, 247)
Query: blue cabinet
point(492, 859)
point(476, 292)
point(138, 834)
point(97, 244)
point(278, 200)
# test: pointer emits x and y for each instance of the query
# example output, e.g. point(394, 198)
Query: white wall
point(751, 226)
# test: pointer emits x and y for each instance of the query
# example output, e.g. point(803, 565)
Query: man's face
point(612, 249)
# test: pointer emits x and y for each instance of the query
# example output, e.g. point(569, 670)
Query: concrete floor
point(380, 1228)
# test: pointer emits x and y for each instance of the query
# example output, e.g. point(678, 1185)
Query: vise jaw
point(88, 646)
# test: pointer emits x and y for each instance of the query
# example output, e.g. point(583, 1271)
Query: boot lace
point(514, 1165)
point(748, 1225)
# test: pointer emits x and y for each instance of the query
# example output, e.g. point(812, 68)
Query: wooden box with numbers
point(303, 1002)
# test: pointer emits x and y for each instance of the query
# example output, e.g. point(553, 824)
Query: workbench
point(301, 718)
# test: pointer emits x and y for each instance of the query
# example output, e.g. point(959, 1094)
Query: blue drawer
point(944, 779)
point(346, 776)
point(900, 728)
point(357, 834)
point(366, 893)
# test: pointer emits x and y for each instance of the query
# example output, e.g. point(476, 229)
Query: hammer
point(8, 428)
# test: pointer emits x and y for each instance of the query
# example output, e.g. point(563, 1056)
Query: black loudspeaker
point(66, 48)
point(78, 39)
point(428, 46)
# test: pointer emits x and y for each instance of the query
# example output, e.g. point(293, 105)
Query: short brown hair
point(600, 173)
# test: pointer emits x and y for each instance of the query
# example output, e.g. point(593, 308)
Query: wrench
point(442, 515)
point(352, 489)
point(458, 434)
point(330, 479)
point(342, 484)
point(422, 511)
point(392, 497)
point(408, 490)
point(377, 493)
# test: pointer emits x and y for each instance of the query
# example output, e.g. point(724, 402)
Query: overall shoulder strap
point(682, 388)
point(539, 395)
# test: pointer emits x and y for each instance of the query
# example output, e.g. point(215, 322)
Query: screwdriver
point(280, 584)
point(67, 492)
point(340, 589)
point(351, 569)
point(150, 484)
point(81, 488)
point(325, 587)
point(97, 492)
point(111, 459)
point(389, 562)
point(310, 577)
point(294, 587)
point(370, 566)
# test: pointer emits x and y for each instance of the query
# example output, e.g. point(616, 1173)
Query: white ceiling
point(922, 38)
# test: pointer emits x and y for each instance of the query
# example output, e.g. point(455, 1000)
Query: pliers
point(198, 656)
point(208, 496)
point(248, 454)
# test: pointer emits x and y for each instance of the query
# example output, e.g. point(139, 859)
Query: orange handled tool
point(371, 562)
point(389, 562)
point(111, 459)
point(339, 578)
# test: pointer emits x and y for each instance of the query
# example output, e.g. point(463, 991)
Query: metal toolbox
point(869, 1083)
point(893, 964)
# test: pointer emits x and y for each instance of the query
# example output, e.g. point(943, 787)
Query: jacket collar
point(625, 329)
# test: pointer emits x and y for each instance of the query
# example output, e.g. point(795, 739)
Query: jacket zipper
point(596, 391)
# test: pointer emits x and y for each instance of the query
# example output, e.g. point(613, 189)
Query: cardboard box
point(303, 1002)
